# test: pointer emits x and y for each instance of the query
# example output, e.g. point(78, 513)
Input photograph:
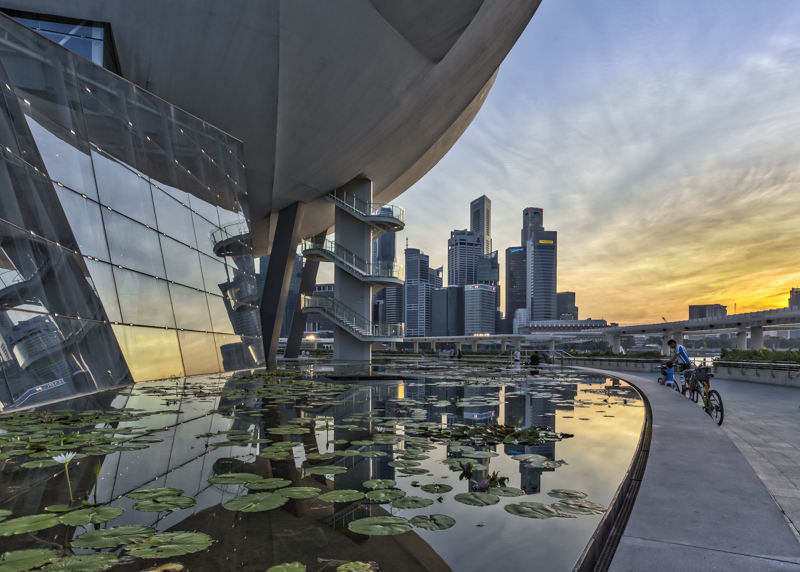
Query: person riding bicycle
point(680, 357)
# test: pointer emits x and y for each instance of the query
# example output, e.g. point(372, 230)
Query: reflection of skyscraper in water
point(531, 411)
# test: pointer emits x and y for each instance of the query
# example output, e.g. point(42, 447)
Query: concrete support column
point(279, 275)
point(664, 347)
point(416, 347)
point(307, 284)
point(616, 343)
point(552, 347)
point(756, 337)
point(678, 337)
point(474, 345)
point(355, 236)
point(517, 345)
point(741, 340)
point(394, 346)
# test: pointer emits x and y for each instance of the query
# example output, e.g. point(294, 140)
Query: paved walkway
point(701, 505)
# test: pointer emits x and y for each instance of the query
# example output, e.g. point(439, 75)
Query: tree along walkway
point(701, 506)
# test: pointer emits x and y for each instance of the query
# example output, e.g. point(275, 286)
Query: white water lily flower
point(64, 458)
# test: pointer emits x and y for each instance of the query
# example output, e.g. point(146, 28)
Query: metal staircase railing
point(353, 263)
point(349, 319)
point(367, 210)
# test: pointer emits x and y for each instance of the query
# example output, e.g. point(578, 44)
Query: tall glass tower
point(480, 221)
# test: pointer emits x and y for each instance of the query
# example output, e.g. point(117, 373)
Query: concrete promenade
point(701, 505)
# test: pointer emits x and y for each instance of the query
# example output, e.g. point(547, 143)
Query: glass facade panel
point(191, 310)
point(133, 245)
point(174, 218)
point(123, 190)
point(183, 263)
point(86, 223)
point(103, 280)
point(199, 352)
point(143, 299)
point(151, 353)
point(114, 207)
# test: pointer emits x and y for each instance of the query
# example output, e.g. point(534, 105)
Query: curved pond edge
point(603, 544)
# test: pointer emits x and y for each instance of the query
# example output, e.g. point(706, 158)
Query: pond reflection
point(384, 438)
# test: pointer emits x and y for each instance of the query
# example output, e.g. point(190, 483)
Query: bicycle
point(697, 384)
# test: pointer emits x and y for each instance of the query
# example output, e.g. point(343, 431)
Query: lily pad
point(532, 510)
point(5, 513)
point(566, 494)
point(268, 484)
point(436, 489)
point(356, 567)
point(162, 504)
point(234, 479)
point(170, 544)
point(38, 464)
point(257, 502)
point(288, 567)
point(413, 471)
point(411, 503)
point(95, 515)
point(380, 525)
point(298, 492)
point(113, 537)
point(21, 560)
point(326, 470)
point(379, 484)
point(507, 492)
point(348, 453)
point(579, 506)
point(83, 563)
point(385, 495)
point(344, 495)
point(433, 522)
point(156, 493)
point(320, 456)
point(479, 454)
point(477, 499)
point(404, 464)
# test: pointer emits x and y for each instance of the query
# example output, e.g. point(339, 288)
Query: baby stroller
point(668, 376)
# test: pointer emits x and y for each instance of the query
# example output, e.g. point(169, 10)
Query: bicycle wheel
point(715, 409)
point(661, 380)
point(693, 395)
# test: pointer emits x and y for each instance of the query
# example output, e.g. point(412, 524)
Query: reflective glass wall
point(121, 211)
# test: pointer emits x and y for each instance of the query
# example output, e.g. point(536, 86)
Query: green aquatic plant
point(342, 496)
point(533, 510)
point(566, 494)
point(579, 506)
point(256, 502)
point(288, 567)
point(64, 459)
point(385, 495)
point(83, 563)
point(30, 523)
point(380, 525)
point(113, 537)
point(379, 484)
point(170, 544)
point(407, 502)
point(21, 560)
point(433, 522)
point(94, 515)
point(477, 499)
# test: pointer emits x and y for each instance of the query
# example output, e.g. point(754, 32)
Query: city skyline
point(659, 120)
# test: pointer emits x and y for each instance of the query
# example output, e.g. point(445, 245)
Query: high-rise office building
point(532, 221)
point(463, 250)
point(516, 280)
point(699, 311)
point(794, 298)
point(488, 272)
point(480, 312)
point(542, 251)
point(565, 306)
point(384, 248)
point(421, 280)
point(448, 311)
point(480, 221)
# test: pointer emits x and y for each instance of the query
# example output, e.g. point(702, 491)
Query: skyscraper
point(480, 221)
point(448, 311)
point(387, 302)
point(794, 297)
point(479, 309)
point(463, 250)
point(532, 221)
point(488, 272)
point(420, 283)
point(542, 268)
point(516, 280)
point(565, 306)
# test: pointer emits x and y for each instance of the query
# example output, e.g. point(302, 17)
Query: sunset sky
point(662, 140)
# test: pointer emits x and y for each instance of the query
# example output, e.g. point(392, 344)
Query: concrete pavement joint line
point(759, 556)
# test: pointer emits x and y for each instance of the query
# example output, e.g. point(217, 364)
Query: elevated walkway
point(329, 251)
point(352, 322)
point(382, 217)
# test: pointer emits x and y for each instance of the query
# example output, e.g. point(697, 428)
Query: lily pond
point(404, 466)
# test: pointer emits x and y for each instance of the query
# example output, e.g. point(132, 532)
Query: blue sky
point(661, 138)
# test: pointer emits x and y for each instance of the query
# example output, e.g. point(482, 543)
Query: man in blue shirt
point(680, 356)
